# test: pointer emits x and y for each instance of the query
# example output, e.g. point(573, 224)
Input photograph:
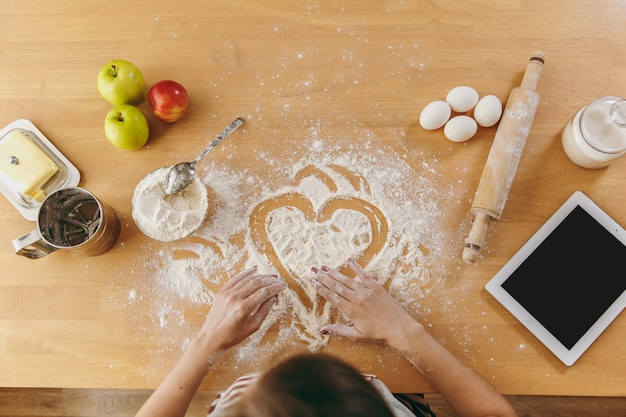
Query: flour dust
point(331, 202)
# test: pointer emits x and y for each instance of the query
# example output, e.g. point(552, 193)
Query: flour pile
point(334, 202)
point(167, 217)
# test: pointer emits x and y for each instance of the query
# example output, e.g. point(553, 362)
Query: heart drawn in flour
point(296, 233)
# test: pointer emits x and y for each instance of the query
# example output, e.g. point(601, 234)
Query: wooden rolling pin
point(504, 157)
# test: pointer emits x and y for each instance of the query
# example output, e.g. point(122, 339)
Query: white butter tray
point(27, 187)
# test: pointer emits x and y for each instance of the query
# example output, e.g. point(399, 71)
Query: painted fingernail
point(324, 331)
point(314, 269)
point(324, 268)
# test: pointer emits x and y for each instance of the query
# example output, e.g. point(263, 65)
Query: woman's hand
point(374, 312)
point(240, 308)
point(238, 311)
point(377, 316)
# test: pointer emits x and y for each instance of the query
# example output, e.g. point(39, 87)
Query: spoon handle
point(227, 131)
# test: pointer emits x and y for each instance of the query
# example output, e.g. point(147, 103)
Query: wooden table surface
point(350, 76)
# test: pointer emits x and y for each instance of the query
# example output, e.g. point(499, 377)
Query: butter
point(24, 166)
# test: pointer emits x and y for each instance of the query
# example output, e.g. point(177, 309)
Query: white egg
point(435, 115)
point(462, 98)
point(460, 128)
point(488, 111)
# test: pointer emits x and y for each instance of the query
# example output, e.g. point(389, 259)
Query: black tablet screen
point(570, 280)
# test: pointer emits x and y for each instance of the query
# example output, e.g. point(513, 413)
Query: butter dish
point(31, 167)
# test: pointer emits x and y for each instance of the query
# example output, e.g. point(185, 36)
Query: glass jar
point(596, 135)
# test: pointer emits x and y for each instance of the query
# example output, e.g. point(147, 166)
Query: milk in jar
point(596, 135)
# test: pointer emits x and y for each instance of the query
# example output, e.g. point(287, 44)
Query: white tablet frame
point(494, 286)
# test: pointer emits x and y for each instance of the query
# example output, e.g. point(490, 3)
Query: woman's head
point(312, 385)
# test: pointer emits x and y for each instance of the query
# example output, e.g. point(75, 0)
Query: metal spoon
point(180, 175)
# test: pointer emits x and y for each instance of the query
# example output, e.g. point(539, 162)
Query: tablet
point(568, 282)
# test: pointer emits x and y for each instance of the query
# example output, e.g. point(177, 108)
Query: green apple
point(121, 82)
point(126, 127)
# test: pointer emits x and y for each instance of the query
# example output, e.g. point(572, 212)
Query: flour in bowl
point(167, 217)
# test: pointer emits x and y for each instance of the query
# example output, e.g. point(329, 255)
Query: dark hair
point(312, 385)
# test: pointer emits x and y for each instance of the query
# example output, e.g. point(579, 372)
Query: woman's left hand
point(240, 308)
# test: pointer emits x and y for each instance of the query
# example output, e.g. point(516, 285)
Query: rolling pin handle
point(476, 238)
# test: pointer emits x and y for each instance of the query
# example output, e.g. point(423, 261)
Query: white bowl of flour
point(165, 217)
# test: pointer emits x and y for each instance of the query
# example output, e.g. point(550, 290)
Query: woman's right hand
point(375, 314)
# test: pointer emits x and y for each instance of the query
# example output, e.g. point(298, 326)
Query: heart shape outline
point(260, 238)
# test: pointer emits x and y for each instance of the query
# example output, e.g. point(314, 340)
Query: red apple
point(168, 100)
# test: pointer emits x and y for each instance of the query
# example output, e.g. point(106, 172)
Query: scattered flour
point(332, 203)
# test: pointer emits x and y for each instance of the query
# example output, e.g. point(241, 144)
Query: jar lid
point(31, 167)
point(603, 124)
